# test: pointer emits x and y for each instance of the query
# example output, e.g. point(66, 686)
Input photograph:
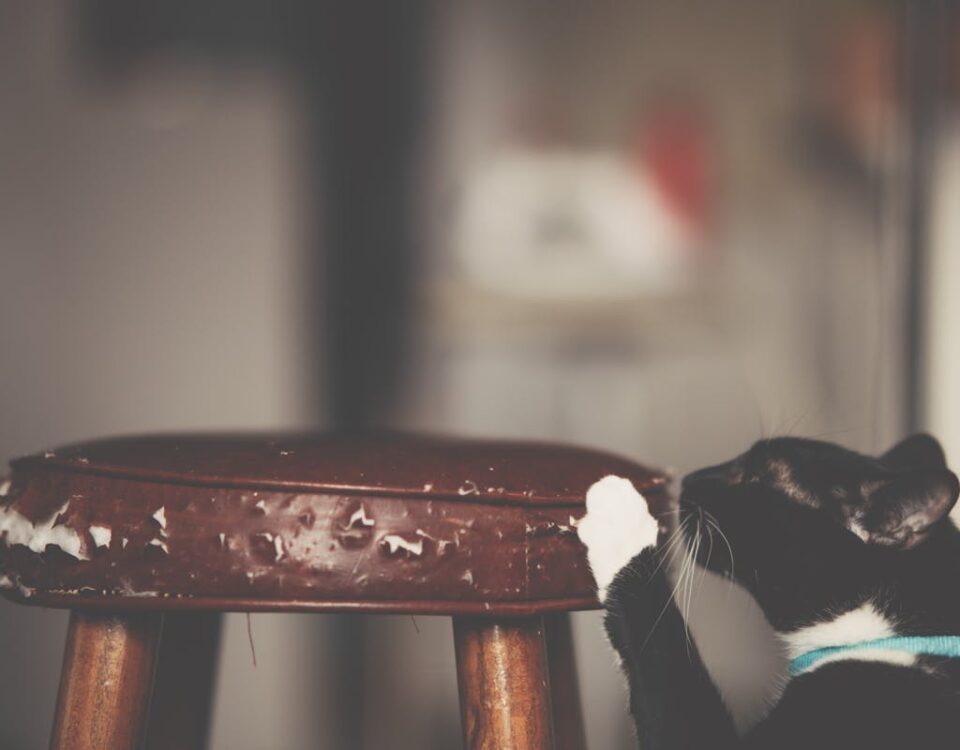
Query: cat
point(853, 560)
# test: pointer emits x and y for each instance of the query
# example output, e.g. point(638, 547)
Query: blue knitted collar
point(929, 645)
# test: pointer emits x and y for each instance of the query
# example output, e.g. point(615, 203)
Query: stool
point(122, 531)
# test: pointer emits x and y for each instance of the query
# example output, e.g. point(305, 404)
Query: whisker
point(691, 587)
point(715, 525)
point(703, 573)
point(665, 551)
point(689, 576)
point(656, 622)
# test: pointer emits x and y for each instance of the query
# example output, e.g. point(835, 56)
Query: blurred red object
point(672, 147)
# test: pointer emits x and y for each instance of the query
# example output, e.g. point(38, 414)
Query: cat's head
point(807, 525)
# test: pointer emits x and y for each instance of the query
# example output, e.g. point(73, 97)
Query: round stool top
point(382, 523)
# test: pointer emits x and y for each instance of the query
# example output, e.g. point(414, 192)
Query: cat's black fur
point(815, 530)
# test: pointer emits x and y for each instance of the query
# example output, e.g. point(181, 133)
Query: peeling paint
point(360, 516)
point(159, 543)
point(468, 577)
point(123, 542)
point(276, 541)
point(469, 487)
point(223, 539)
point(427, 487)
point(5, 488)
point(395, 542)
point(161, 517)
point(262, 507)
point(8, 583)
point(101, 535)
point(445, 546)
point(17, 529)
point(551, 527)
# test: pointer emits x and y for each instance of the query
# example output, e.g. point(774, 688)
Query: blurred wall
point(150, 265)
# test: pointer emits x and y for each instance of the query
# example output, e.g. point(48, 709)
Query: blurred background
point(663, 229)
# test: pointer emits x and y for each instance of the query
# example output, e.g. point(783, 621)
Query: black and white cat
point(855, 564)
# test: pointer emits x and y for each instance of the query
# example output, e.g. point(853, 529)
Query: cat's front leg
point(618, 526)
point(673, 701)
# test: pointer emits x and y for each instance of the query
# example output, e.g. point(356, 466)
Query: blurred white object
point(565, 224)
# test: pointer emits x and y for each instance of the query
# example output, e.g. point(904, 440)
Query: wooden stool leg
point(183, 688)
point(504, 688)
point(568, 728)
point(105, 684)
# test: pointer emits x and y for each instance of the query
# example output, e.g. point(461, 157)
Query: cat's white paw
point(617, 526)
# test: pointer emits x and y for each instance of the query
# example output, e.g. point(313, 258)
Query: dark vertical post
point(568, 729)
point(185, 680)
point(365, 85)
point(369, 113)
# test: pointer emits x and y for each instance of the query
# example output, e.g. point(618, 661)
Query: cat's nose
point(713, 477)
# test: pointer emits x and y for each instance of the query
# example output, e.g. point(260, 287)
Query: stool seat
point(298, 522)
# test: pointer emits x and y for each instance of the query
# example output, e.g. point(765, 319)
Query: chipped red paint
point(254, 523)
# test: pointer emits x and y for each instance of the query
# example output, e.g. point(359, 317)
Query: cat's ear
point(920, 451)
point(902, 512)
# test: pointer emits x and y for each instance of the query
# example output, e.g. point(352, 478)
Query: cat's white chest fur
point(617, 527)
point(865, 623)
